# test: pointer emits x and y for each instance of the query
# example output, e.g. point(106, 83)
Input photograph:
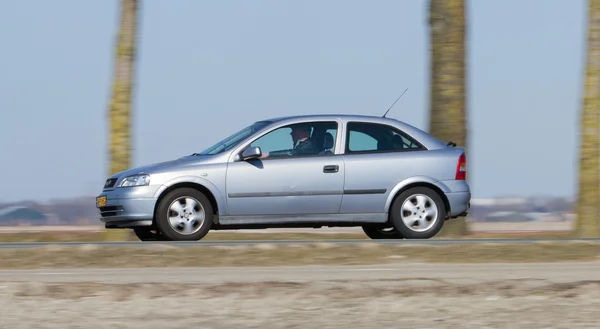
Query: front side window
point(302, 139)
point(365, 137)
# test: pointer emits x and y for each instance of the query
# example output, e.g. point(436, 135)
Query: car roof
point(345, 117)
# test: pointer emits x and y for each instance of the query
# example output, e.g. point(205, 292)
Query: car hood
point(156, 167)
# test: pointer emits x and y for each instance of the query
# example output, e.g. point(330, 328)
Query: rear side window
point(362, 137)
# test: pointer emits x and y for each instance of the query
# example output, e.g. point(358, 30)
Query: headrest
point(398, 142)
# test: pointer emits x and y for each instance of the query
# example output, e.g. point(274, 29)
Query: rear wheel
point(184, 214)
point(418, 213)
point(377, 232)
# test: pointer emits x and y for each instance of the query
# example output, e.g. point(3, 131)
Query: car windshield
point(233, 140)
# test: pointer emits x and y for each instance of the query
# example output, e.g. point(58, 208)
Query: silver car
point(386, 176)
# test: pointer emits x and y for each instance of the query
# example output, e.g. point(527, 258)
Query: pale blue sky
point(208, 68)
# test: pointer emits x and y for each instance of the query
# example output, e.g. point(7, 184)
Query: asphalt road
point(9, 245)
point(462, 273)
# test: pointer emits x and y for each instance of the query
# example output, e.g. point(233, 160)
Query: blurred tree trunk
point(448, 113)
point(588, 194)
point(120, 105)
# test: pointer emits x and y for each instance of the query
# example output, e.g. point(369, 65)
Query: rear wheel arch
point(431, 186)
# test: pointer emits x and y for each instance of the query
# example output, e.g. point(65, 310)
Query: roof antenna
point(386, 112)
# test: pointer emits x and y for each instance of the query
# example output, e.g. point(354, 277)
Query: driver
point(303, 145)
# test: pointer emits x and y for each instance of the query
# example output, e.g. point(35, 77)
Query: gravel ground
point(414, 303)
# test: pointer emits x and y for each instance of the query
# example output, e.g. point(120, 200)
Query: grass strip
point(166, 255)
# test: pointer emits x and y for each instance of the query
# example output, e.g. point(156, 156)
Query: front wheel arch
point(196, 186)
point(187, 213)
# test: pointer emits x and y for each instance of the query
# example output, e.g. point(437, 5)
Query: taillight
point(461, 168)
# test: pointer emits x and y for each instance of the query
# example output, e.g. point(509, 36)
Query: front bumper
point(128, 207)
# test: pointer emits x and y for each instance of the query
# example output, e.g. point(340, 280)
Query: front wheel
point(184, 214)
point(418, 213)
point(377, 232)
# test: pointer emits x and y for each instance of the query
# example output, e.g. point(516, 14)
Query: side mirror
point(252, 152)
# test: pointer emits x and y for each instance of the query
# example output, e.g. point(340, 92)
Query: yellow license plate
point(101, 201)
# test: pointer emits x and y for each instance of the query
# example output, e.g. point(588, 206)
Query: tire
point(377, 232)
point(148, 234)
point(182, 218)
point(430, 218)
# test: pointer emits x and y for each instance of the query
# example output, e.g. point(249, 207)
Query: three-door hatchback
point(388, 177)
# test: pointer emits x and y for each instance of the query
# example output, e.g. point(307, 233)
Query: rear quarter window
point(362, 137)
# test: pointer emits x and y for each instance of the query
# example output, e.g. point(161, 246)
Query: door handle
point(331, 169)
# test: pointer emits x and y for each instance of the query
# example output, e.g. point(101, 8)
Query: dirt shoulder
point(322, 305)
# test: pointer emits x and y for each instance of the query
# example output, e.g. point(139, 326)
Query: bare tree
point(120, 106)
point(448, 112)
point(587, 202)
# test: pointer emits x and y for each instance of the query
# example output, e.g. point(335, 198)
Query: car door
point(287, 184)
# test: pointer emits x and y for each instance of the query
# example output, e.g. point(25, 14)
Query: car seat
point(327, 144)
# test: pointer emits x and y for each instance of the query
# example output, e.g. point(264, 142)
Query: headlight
point(136, 180)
